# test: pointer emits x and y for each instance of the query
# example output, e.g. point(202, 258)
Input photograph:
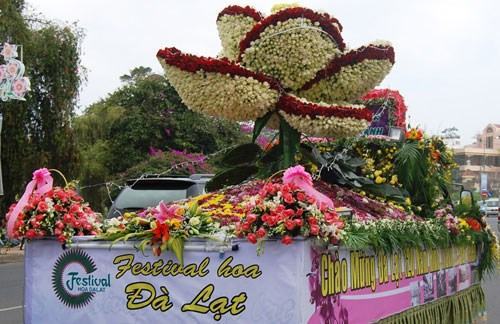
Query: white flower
point(291, 51)
point(194, 221)
point(232, 29)
point(231, 97)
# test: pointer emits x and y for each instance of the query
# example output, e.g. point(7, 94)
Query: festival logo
point(74, 280)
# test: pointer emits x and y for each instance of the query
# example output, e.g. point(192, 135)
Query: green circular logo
point(67, 291)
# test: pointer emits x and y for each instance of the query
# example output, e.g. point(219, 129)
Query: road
point(11, 292)
point(12, 277)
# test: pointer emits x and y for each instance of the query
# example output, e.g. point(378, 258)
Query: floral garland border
point(247, 11)
point(295, 106)
point(193, 63)
point(329, 24)
point(370, 52)
point(395, 96)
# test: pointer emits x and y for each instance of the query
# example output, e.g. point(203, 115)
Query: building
point(482, 157)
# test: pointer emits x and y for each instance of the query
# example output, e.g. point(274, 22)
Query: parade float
point(346, 216)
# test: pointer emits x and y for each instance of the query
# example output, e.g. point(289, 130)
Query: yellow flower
point(377, 173)
point(394, 179)
point(380, 180)
point(408, 201)
point(175, 223)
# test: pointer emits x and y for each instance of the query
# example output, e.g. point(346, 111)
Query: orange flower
point(474, 224)
point(414, 134)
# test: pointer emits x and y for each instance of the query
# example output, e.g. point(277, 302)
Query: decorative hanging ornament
point(13, 84)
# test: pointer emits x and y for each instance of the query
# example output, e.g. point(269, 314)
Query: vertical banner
point(484, 182)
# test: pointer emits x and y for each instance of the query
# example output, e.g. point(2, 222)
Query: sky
point(447, 51)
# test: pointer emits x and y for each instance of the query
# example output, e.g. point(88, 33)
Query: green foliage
point(115, 135)
point(38, 132)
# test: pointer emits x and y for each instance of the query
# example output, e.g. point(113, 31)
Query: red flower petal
point(293, 105)
point(238, 10)
point(192, 63)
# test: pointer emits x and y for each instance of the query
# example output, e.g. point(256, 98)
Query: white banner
point(101, 285)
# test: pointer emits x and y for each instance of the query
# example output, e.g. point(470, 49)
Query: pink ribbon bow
point(298, 176)
point(42, 183)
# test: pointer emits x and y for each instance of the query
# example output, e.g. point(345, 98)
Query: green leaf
point(176, 244)
point(260, 123)
point(231, 176)
point(242, 154)
point(290, 139)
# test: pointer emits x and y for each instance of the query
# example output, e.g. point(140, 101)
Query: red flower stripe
point(325, 21)
point(295, 106)
point(370, 52)
point(192, 63)
point(238, 10)
point(398, 101)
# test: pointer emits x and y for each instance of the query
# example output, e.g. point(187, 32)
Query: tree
point(116, 135)
point(38, 132)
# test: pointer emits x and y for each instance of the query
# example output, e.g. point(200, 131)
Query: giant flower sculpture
point(293, 63)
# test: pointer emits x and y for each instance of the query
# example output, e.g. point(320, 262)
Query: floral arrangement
point(164, 227)
point(57, 212)
point(264, 66)
point(286, 211)
point(388, 108)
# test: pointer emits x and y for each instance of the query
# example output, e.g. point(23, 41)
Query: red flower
point(298, 222)
point(30, 234)
point(251, 218)
point(474, 224)
point(286, 240)
point(261, 232)
point(290, 224)
point(252, 238)
point(161, 232)
point(42, 207)
point(314, 229)
point(301, 196)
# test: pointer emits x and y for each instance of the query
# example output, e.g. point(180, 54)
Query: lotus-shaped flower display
point(293, 63)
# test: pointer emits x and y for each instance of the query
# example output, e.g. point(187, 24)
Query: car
point(491, 207)
point(148, 191)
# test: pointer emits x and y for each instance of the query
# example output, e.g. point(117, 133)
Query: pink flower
point(164, 212)
point(286, 240)
point(9, 51)
point(20, 86)
point(12, 69)
point(3, 72)
point(314, 229)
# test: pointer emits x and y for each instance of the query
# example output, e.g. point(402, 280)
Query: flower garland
point(329, 24)
point(236, 10)
point(233, 23)
point(351, 75)
point(397, 101)
point(279, 51)
point(218, 87)
point(297, 106)
point(323, 120)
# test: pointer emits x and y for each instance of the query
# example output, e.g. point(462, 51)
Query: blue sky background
point(447, 51)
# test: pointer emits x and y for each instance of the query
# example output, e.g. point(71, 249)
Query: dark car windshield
point(145, 194)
